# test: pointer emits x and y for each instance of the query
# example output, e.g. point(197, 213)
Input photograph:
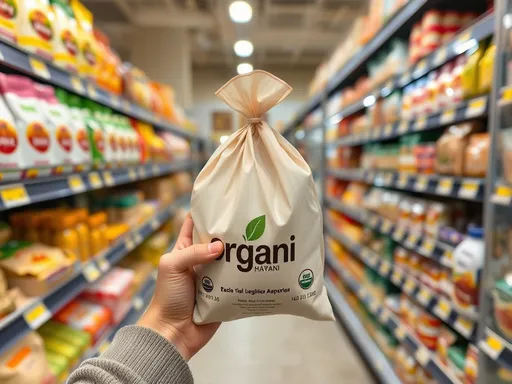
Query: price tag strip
point(421, 123)
point(469, 189)
point(464, 326)
point(39, 68)
point(421, 184)
point(108, 178)
point(37, 315)
point(403, 180)
point(476, 107)
point(444, 186)
point(103, 264)
point(91, 272)
point(14, 195)
point(502, 195)
point(132, 174)
point(493, 345)
point(409, 286)
point(448, 116)
point(95, 180)
point(76, 184)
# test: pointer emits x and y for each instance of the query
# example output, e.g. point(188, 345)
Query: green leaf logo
point(255, 228)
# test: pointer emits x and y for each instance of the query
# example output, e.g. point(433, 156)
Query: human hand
point(170, 311)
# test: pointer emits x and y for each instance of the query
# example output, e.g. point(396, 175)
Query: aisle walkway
point(278, 350)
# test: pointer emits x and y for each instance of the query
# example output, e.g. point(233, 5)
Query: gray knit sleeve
point(136, 356)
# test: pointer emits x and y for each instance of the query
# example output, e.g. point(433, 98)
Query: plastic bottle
point(83, 231)
point(97, 225)
point(468, 260)
point(66, 236)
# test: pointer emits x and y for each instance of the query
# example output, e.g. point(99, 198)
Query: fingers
point(186, 229)
point(195, 254)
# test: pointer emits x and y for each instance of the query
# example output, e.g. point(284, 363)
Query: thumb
point(196, 254)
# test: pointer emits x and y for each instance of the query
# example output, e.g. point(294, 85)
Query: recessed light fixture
point(240, 12)
point(244, 68)
point(243, 48)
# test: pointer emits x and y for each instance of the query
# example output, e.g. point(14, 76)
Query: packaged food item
point(451, 146)
point(405, 366)
point(469, 77)
point(287, 252)
point(81, 152)
point(468, 259)
point(427, 329)
point(107, 75)
point(35, 141)
point(475, 162)
point(11, 142)
point(451, 24)
point(431, 274)
point(98, 225)
point(60, 347)
point(57, 120)
point(414, 264)
point(65, 44)
point(7, 304)
point(83, 232)
point(457, 360)
point(113, 291)
point(65, 233)
point(35, 268)
point(446, 339)
point(431, 31)
point(25, 362)
point(95, 133)
point(58, 365)
point(70, 335)
point(457, 91)
point(471, 365)
point(485, 67)
point(84, 315)
point(87, 54)
point(35, 30)
point(502, 302)
point(8, 20)
point(437, 216)
point(445, 83)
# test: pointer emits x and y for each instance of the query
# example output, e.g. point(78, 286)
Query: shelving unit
point(33, 315)
point(493, 193)
point(20, 61)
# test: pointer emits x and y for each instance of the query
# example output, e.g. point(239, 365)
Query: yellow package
point(469, 76)
point(65, 45)
point(8, 16)
point(34, 27)
point(485, 68)
point(87, 55)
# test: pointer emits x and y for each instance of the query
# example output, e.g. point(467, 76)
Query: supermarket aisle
point(279, 349)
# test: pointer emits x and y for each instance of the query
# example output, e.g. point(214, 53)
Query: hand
point(170, 311)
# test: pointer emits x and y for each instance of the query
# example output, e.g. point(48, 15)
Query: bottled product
point(57, 120)
point(83, 232)
point(98, 225)
point(468, 259)
point(35, 29)
point(34, 136)
point(427, 329)
point(65, 45)
point(65, 234)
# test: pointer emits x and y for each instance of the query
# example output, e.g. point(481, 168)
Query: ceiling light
point(244, 68)
point(240, 12)
point(243, 48)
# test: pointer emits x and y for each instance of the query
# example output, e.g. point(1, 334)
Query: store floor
point(277, 350)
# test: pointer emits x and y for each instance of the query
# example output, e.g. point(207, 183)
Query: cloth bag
point(256, 194)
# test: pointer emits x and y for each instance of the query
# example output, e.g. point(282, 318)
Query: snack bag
point(256, 194)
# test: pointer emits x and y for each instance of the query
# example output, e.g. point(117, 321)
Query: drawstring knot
point(254, 120)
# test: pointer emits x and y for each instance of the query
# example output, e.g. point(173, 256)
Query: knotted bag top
point(253, 94)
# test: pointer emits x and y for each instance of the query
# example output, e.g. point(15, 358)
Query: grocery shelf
point(29, 191)
point(426, 358)
point(30, 317)
point(422, 244)
point(395, 23)
point(471, 189)
point(429, 299)
point(372, 353)
point(139, 303)
point(496, 348)
point(464, 40)
point(465, 110)
point(26, 63)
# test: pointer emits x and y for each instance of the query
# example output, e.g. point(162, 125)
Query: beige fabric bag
point(257, 195)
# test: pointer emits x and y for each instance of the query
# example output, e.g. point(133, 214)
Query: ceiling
point(284, 32)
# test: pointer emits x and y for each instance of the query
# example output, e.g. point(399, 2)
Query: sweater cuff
point(149, 355)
